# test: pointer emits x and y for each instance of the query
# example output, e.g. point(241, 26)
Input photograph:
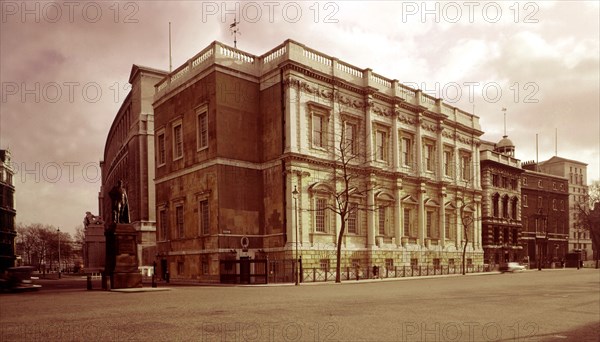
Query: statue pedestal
point(125, 273)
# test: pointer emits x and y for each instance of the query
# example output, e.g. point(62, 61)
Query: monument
point(121, 265)
point(94, 249)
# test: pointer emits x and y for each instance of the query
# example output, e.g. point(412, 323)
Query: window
point(554, 204)
point(514, 208)
point(179, 220)
point(161, 149)
point(540, 184)
point(406, 222)
point(407, 157)
point(352, 218)
point(496, 235)
point(180, 268)
point(496, 205)
point(429, 157)
point(450, 225)
point(448, 163)
point(350, 138)
point(203, 216)
point(495, 180)
point(324, 265)
point(320, 215)
point(465, 166)
point(562, 205)
point(162, 228)
point(177, 141)
point(429, 223)
point(515, 236)
point(381, 212)
point(202, 128)
point(539, 204)
point(525, 201)
point(524, 180)
point(505, 207)
point(318, 130)
point(436, 263)
point(381, 145)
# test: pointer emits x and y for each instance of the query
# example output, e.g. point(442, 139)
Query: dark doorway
point(244, 270)
point(163, 268)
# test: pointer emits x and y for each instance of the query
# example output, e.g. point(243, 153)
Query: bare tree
point(588, 212)
point(466, 210)
point(349, 177)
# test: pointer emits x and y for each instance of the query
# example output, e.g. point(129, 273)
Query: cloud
point(547, 70)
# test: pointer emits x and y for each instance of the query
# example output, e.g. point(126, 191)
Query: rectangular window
point(389, 264)
point(495, 180)
point(406, 222)
point(429, 223)
point(320, 215)
point(352, 218)
point(180, 268)
point(429, 157)
point(465, 166)
point(202, 129)
point(177, 141)
point(350, 138)
point(524, 180)
point(449, 225)
point(381, 212)
point(540, 203)
point(448, 163)
point(324, 265)
point(381, 145)
point(203, 215)
point(179, 220)
point(162, 228)
point(161, 149)
point(318, 130)
point(525, 201)
point(407, 158)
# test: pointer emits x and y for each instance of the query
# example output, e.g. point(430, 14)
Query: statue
point(120, 205)
point(91, 219)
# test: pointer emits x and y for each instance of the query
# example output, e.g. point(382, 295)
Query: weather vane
point(235, 30)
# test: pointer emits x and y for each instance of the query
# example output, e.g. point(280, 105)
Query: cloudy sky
point(64, 69)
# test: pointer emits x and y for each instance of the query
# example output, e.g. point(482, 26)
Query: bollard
point(89, 282)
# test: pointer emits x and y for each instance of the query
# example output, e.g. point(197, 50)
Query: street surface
point(548, 305)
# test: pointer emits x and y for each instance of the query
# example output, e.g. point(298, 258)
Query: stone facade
point(501, 203)
point(236, 133)
point(545, 216)
point(576, 172)
point(129, 156)
point(7, 212)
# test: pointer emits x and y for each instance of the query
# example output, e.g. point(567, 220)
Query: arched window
point(495, 205)
point(514, 208)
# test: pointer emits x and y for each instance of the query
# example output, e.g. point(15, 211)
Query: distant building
point(237, 133)
point(129, 156)
point(7, 212)
point(576, 173)
point(545, 216)
point(501, 203)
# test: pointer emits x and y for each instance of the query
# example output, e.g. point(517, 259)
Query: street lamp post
point(295, 195)
point(58, 232)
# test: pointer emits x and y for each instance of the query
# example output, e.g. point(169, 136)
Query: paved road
point(552, 305)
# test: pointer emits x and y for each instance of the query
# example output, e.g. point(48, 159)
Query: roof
point(137, 68)
point(505, 142)
point(557, 159)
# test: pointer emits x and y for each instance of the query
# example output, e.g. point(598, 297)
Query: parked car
point(512, 267)
point(18, 279)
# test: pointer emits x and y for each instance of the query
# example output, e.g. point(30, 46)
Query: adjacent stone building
point(7, 212)
point(545, 216)
point(576, 172)
point(236, 134)
point(501, 203)
point(129, 156)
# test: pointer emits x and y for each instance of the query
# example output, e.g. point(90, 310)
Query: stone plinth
point(125, 273)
